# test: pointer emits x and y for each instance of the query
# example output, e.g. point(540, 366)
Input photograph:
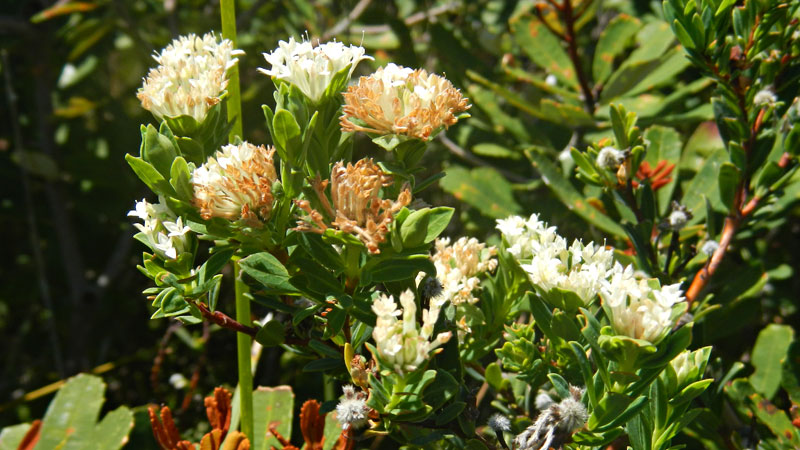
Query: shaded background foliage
point(70, 299)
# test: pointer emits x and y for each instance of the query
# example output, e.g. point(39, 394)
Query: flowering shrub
point(523, 338)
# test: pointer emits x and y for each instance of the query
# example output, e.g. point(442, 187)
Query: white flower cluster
point(312, 68)
point(352, 410)
point(165, 234)
point(190, 77)
point(550, 263)
point(638, 307)
point(403, 344)
point(458, 266)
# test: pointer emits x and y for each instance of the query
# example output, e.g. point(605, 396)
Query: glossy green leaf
point(769, 355)
point(482, 188)
point(272, 405)
point(267, 270)
point(613, 40)
point(544, 49)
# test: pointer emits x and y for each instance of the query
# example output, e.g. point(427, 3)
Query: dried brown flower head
point(236, 184)
point(357, 206)
point(399, 100)
point(218, 410)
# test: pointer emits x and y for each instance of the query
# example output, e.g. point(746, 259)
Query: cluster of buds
point(190, 78)
point(162, 231)
point(312, 68)
point(399, 100)
point(555, 424)
point(403, 344)
point(458, 266)
point(357, 207)
point(236, 184)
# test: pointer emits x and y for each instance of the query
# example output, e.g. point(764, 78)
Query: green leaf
point(653, 40)
point(544, 49)
point(273, 405)
point(11, 436)
point(482, 188)
point(613, 40)
point(560, 385)
point(424, 225)
point(568, 195)
point(112, 432)
point(704, 184)
point(271, 334)
point(627, 77)
point(181, 179)
point(665, 145)
point(728, 181)
point(70, 419)
point(399, 269)
point(267, 270)
point(150, 176)
point(563, 113)
point(610, 407)
point(159, 149)
point(287, 137)
point(769, 355)
point(494, 376)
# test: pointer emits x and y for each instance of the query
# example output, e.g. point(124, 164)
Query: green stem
point(243, 341)
point(234, 103)
point(243, 345)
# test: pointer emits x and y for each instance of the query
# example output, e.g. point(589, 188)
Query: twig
point(476, 161)
point(413, 19)
point(342, 25)
point(572, 50)
point(33, 228)
point(224, 320)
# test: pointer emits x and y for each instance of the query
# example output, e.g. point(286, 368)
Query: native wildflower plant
point(579, 343)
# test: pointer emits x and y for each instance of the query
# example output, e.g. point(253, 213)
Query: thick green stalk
point(234, 103)
point(243, 345)
point(243, 341)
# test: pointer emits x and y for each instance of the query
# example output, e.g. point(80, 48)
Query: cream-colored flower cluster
point(162, 230)
point(399, 100)
point(312, 68)
point(550, 263)
point(458, 266)
point(357, 206)
point(638, 309)
point(403, 343)
point(190, 77)
point(236, 184)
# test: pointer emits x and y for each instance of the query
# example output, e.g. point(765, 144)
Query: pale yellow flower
point(190, 77)
point(399, 100)
point(236, 184)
